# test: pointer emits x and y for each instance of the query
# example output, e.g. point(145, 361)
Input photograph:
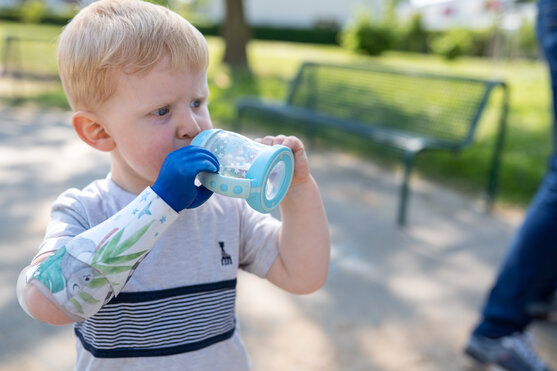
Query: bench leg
point(494, 175)
point(404, 188)
point(497, 154)
point(237, 124)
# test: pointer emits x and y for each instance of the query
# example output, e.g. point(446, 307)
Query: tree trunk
point(236, 34)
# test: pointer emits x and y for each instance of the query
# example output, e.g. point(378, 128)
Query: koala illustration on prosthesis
point(65, 271)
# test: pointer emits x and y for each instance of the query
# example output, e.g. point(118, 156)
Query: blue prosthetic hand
point(176, 181)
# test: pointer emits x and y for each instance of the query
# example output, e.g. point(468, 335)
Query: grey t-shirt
point(176, 312)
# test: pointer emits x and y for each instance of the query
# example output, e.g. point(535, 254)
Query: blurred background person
point(528, 275)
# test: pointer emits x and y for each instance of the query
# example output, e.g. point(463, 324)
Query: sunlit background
point(396, 299)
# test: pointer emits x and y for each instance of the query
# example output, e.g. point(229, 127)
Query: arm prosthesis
point(80, 277)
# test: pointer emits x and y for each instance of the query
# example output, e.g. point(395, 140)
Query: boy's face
point(151, 115)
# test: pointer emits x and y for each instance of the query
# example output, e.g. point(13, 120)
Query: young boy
point(145, 261)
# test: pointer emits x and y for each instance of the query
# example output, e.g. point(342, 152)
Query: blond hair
point(130, 36)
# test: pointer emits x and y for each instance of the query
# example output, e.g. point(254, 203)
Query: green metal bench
point(411, 112)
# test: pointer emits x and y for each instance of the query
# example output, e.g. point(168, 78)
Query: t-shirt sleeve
point(258, 241)
point(67, 220)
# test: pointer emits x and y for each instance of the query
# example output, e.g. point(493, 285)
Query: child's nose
point(187, 127)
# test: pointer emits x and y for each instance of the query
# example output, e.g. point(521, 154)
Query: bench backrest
point(433, 106)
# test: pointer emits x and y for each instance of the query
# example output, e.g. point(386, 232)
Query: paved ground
point(395, 299)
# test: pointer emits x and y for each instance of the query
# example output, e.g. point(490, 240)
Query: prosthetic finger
point(94, 266)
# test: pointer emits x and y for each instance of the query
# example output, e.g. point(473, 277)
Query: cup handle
point(226, 185)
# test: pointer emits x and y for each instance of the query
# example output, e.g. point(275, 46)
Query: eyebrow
point(162, 101)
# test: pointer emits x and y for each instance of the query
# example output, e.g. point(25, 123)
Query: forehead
point(164, 68)
point(159, 83)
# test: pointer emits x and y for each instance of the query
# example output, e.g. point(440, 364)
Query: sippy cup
point(259, 173)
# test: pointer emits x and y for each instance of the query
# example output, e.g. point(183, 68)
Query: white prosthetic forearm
point(93, 267)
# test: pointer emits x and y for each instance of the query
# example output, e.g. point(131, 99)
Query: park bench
point(408, 111)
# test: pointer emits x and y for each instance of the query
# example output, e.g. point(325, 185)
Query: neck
point(126, 178)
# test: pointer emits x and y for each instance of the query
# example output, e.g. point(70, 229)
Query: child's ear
point(89, 128)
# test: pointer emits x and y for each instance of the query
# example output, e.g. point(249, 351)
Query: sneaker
point(512, 353)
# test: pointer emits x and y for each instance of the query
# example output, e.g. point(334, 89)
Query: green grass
point(37, 53)
point(528, 141)
point(527, 146)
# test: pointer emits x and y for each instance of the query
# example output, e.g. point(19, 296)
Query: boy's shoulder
point(102, 198)
point(105, 188)
point(105, 194)
point(97, 200)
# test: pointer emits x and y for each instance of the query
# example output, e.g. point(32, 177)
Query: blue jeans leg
point(546, 28)
point(529, 272)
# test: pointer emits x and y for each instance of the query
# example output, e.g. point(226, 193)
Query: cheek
point(205, 120)
point(146, 155)
point(208, 125)
point(153, 155)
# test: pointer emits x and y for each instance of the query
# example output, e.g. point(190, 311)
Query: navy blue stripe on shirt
point(137, 297)
point(154, 352)
point(162, 322)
